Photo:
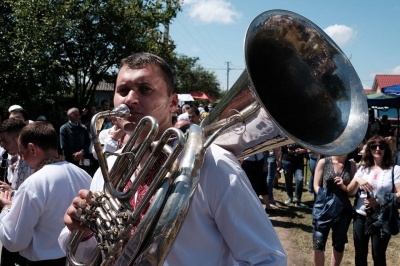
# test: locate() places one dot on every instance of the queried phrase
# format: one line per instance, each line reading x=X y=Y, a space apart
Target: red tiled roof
x=382 y=81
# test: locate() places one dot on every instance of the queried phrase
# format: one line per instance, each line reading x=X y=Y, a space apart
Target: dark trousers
x=379 y=243
x=254 y=171
x=9 y=258
x=56 y=262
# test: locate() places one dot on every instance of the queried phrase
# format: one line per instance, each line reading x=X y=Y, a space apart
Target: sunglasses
x=375 y=146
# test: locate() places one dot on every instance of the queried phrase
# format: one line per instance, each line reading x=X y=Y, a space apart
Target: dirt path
x=295 y=258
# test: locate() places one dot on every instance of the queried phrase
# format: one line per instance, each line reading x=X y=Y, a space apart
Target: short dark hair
x=194 y=110
x=368 y=158
x=12 y=126
x=41 y=134
x=140 y=60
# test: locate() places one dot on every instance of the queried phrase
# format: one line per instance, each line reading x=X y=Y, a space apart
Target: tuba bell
x=298 y=86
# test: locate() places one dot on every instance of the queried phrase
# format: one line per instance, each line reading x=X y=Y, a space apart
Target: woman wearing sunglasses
x=373 y=184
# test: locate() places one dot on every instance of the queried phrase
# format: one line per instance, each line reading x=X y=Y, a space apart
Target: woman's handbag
x=327 y=208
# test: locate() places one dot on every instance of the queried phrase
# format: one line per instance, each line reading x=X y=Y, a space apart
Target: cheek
x=160 y=111
x=118 y=100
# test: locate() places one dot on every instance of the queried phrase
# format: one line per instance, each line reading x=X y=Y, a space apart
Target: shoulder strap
x=393 y=187
x=346 y=163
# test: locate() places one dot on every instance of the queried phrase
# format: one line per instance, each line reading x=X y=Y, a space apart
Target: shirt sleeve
x=26 y=207
x=64 y=141
x=396 y=174
x=241 y=218
x=86 y=141
x=86 y=248
x=109 y=144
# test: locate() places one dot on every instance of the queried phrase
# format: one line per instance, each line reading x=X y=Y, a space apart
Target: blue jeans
x=272 y=166
x=313 y=164
x=379 y=243
x=296 y=170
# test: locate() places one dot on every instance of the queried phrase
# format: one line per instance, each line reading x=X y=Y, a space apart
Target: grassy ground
x=294 y=227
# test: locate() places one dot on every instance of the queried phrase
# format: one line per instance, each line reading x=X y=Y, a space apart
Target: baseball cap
x=41 y=118
x=14 y=107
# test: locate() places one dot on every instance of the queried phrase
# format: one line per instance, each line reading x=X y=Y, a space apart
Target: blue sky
x=368 y=32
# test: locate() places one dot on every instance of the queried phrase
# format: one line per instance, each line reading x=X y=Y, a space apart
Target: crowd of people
x=42 y=191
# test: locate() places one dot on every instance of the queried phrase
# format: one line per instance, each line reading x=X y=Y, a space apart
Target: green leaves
x=54 y=53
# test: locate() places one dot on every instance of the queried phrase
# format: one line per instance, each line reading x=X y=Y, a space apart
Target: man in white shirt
x=194 y=115
x=32 y=224
x=111 y=139
x=225 y=223
x=184 y=115
x=16 y=170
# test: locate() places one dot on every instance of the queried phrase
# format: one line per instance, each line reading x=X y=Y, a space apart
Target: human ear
x=31 y=148
x=174 y=103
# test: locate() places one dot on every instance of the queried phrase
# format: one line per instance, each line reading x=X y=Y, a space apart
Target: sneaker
x=274 y=204
x=301 y=205
x=289 y=200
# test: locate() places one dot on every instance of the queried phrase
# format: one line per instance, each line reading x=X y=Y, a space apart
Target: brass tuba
x=298 y=86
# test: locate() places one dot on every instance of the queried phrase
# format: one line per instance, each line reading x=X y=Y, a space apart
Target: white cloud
x=212 y=11
x=341 y=34
x=365 y=87
x=396 y=70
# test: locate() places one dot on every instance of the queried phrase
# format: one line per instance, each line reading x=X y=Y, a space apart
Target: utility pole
x=166 y=25
x=227 y=75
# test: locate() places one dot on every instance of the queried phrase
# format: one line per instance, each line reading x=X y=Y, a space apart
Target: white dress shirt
x=36 y=218
x=225 y=224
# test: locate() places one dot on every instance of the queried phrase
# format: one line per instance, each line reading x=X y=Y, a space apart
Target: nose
x=131 y=98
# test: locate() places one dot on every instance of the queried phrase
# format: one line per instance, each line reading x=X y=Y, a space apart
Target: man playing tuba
x=225 y=221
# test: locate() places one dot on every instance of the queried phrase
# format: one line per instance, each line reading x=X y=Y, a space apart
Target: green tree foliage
x=191 y=77
x=28 y=73
x=52 y=50
x=53 y=53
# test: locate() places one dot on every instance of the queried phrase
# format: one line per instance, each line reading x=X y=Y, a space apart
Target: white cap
x=14 y=107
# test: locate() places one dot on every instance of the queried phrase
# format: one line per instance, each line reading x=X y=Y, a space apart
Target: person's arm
x=86 y=141
x=318 y=174
x=339 y=180
x=358 y=182
x=398 y=191
x=18 y=223
x=241 y=220
x=64 y=141
x=278 y=156
x=87 y=247
x=397 y=181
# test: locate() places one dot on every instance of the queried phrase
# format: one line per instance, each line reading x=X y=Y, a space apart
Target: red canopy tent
x=202 y=96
